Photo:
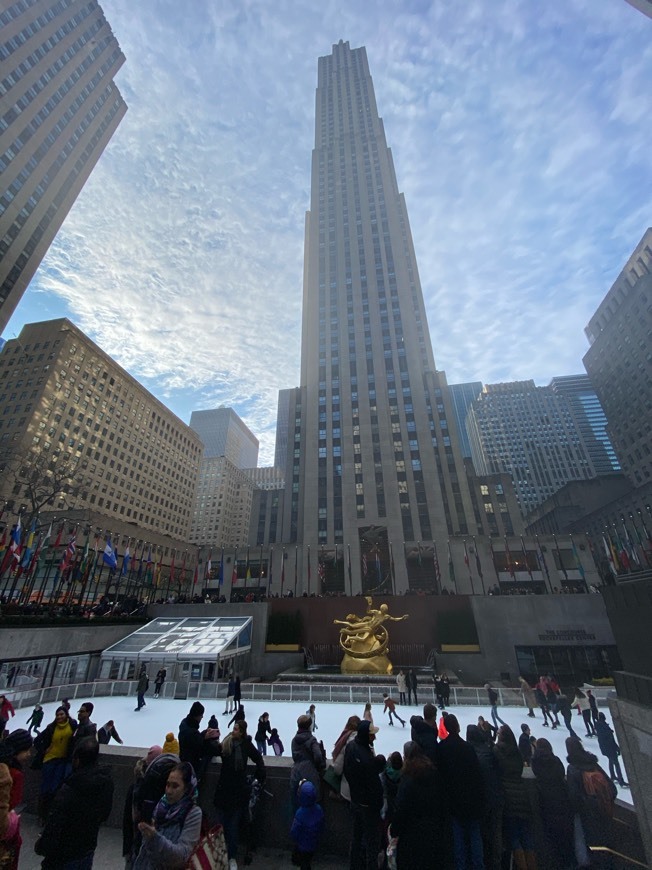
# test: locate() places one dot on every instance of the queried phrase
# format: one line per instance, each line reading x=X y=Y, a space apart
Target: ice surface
x=152 y=723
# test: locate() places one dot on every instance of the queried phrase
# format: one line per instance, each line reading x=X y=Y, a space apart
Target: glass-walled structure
x=189 y=648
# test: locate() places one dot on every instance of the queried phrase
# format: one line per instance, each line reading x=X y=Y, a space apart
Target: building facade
x=59 y=108
x=619 y=362
x=78 y=432
x=222 y=507
x=223 y=433
x=463 y=396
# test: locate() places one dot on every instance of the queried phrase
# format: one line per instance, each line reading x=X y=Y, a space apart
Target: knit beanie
x=171 y=744
x=154 y=752
x=19 y=740
x=196 y=709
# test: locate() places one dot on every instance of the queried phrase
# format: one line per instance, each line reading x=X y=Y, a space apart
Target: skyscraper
x=59 y=108
x=463 y=396
x=378 y=467
x=223 y=433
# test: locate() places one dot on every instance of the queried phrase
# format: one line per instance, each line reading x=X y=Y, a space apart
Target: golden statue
x=365 y=641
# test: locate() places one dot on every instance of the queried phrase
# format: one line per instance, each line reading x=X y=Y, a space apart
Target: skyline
x=524 y=177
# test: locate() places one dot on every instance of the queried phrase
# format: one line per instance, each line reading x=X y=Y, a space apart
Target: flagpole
x=296 y=565
x=478 y=566
x=468 y=565
x=391 y=568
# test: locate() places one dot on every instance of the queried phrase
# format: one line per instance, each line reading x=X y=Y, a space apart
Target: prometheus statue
x=365 y=641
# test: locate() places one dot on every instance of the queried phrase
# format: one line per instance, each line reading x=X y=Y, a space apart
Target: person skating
x=610 y=749
x=582 y=702
x=528 y=696
x=564 y=707
x=229 y=706
x=238 y=716
x=540 y=696
x=264 y=728
x=159 y=680
x=313 y=717
x=108 y=732
x=6 y=712
x=35 y=719
x=141 y=688
x=390 y=706
x=492 y=694
x=275 y=742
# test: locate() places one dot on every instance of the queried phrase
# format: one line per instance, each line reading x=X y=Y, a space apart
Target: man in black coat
x=424 y=731
x=85 y=728
x=195 y=746
x=80 y=806
x=362 y=774
x=463 y=781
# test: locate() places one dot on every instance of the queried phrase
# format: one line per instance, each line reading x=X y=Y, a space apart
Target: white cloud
x=520 y=140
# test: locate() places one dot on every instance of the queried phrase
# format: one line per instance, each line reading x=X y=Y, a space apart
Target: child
x=171 y=744
x=35 y=719
x=275 y=742
x=307 y=825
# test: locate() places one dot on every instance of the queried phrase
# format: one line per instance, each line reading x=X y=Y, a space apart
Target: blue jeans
x=467 y=844
x=262 y=746
x=495 y=717
x=230 y=819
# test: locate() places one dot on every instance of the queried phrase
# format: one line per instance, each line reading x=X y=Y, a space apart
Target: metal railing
x=85 y=691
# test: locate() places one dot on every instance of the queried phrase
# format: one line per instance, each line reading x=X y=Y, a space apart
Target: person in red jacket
x=6 y=711
x=390 y=705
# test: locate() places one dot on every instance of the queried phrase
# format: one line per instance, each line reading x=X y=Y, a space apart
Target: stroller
x=252 y=817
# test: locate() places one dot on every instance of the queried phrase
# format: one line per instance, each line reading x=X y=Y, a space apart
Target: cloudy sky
x=520 y=131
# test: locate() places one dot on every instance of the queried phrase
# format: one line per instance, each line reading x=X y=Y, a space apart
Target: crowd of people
x=439 y=800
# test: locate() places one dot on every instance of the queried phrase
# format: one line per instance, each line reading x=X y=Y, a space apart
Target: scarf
x=166 y=813
x=341 y=741
x=231 y=746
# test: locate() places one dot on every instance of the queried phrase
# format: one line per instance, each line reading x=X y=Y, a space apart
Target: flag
x=478 y=566
x=172 y=567
x=580 y=567
x=148 y=566
x=69 y=553
x=157 y=571
x=451 y=567
x=527 y=563
x=348 y=547
x=435 y=559
x=379 y=573
x=194 y=579
x=209 y=567
x=542 y=562
x=221 y=580
x=631 y=549
x=29 y=544
x=510 y=564
x=125 y=561
x=16 y=533
x=321 y=573
x=609 y=555
x=234 y=575
x=364 y=564
x=109 y=555
x=283 y=570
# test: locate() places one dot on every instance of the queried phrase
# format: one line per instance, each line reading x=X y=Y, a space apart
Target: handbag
x=210 y=853
x=332 y=779
x=392 y=847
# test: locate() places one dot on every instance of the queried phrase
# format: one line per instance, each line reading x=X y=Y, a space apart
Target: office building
x=224 y=434
x=462 y=397
x=222 y=507
x=530 y=433
x=619 y=362
x=59 y=108
x=78 y=432
x=282 y=428
x=644 y=6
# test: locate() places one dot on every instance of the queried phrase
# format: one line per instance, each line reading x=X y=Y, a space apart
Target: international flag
x=172 y=567
x=510 y=564
x=321 y=573
x=209 y=566
x=234 y=575
x=580 y=567
x=364 y=564
x=69 y=553
x=126 y=559
x=527 y=563
x=29 y=545
x=478 y=566
x=159 y=568
x=282 y=571
x=109 y=555
x=195 y=577
x=435 y=559
x=221 y=580
x=451 y=567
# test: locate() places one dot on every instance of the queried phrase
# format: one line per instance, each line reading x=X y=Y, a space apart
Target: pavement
x=108 y=855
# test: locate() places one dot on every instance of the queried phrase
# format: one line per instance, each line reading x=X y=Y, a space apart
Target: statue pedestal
x=377 y=665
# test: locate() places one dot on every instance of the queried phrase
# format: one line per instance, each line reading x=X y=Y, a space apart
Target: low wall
x=276 y=816
x=31 y=642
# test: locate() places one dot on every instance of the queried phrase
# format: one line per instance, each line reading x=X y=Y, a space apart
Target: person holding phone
x=174 y=829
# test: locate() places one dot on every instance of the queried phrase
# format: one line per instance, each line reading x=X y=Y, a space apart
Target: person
x=487 y=729
x=161 y=674
x=592 y=793
x=424 y=731
x=307 y=826
x=148 y=787
x=582 y=702
x=229 y=706
x=232 y=793
x=238 y=716
x=264 y=728
x=554 y=803
x=195 y=746
x=540 y=697
x=517 y=816
x=367 y=714
x=529 y=697
x=610 y=749
x=361 y=772
x=53 y=755
x=553 y=706
x=492 y=694
x=15 y=751
x=390 y=706
x=35 y=719
x=412 y=683
x=80 y=806
x=213 y=723
x=308 y=758
x=348 y=733
x=446 y=689
x=275 y=742
x=420 y=820
x=525 y=744
x=390 y=779
x=401 y=686
x=464 y=787
x=108 y=732
x=313 y=717
x=141 y=687
x=593 y=704
x=85 y=728
x=564 y=707
x=491 y=823
x=237 y=692
x=171 y=746
x=174 y=829
x=6 y=713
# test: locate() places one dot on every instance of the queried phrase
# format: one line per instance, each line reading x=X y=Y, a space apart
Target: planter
x=282 y=647
x=460 y=648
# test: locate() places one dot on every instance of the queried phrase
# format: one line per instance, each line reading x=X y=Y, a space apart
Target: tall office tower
x=380 y=460
x=224 y=434
x=591 y=420
x=462 y=397
x=59 y=108
x=222 y=508
x=619 y=362
x=78 y=432
x=282 y=427
x=531 y=433
x=644 y=6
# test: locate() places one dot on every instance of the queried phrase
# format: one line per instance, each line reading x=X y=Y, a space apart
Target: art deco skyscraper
x=374 y=461
x=59 y=108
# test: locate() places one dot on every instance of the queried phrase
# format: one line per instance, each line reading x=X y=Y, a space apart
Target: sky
x=520 y=136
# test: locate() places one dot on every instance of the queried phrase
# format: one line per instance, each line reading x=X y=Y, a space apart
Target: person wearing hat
x=195 y=746
x=171 y=743
x=362 y=774
x=15 y=750
x=308 y=758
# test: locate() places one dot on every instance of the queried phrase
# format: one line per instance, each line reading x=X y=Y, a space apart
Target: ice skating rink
x=152 y=723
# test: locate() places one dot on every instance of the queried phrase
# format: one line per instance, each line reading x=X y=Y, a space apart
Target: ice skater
x=390 y=707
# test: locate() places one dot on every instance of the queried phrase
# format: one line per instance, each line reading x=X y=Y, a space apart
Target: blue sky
x=520 y=135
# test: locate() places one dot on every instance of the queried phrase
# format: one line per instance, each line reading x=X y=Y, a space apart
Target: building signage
x=563 y=635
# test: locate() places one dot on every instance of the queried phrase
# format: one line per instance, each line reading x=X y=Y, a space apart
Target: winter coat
x=528 y=694
x=193 y=746
x=277 y=744
x=105 y=733
x=172 y=845
x=525 y=747
x=338 y=767
x=606 y=739
x=554 y=805
x=44 y=739
x=232 y=788
x=309 y=762
x=230 y=689
x=6 y=710
x=361 y=772
x=35 y=719
x=81 y=732
x=390 y=779
x=264 y=728
x=462 y=778
x=237 y=691
x=401 y=683
x=582 y=703
x=494 y=794
x=492 y=694
x=596 y=825
x=517 y=802
x=308 y=821
x=426 y=736
x=422 y=824
x=143 y=683
x=149 y=785
x=80 y=806
x=5 y=792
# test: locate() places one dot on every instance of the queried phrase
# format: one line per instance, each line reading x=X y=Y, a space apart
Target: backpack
x=598 y=791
